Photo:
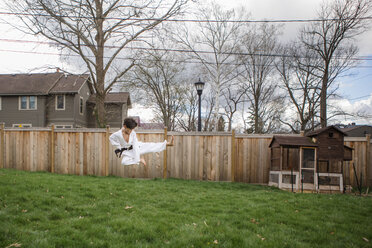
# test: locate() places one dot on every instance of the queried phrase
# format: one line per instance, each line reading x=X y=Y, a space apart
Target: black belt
x=127 y=148
x=120 y=151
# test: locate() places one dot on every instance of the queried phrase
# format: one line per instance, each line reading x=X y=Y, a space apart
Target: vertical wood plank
x=2 y=145
x=233 y=148
x=52 y=147
x=201 y=158
x=32 y=151
x=245 y=162
x=368 y=164
x=107 y=142
x=189 y=156
x=165 y=155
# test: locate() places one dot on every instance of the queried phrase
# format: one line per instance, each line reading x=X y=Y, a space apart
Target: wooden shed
x=313 y=162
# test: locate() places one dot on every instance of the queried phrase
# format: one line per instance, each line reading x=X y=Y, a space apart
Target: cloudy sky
x=356 y=90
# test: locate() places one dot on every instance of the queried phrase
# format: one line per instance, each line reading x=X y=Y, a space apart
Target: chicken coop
x=313 y=162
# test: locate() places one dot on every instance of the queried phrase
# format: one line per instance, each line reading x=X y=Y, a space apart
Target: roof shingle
x=113 y=97
x=40 y=83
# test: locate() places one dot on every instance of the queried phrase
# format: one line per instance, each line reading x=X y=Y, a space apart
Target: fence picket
x=198 y=156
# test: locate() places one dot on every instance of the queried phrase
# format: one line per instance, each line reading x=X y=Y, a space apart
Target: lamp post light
x=199 y=88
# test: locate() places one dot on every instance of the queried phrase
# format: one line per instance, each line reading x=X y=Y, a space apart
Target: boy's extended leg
x=148 y=147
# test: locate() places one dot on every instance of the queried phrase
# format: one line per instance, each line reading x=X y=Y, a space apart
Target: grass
x=50 y=210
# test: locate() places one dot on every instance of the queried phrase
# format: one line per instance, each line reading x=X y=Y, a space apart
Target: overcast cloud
x=357 y=90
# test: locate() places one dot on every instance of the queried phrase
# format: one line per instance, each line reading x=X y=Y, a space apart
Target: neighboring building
x=116 y=105
x=147 y=126
x=354 y=130
x=65 y=100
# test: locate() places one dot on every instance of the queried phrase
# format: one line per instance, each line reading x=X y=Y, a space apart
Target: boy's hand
x=118 y=151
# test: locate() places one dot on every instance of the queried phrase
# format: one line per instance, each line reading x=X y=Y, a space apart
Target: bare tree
x=187 y=121
x=233 y=97
x=98 y=31
x=220 y=38
x=341 y=21
x=258 y=45
x=158 y=78
x=297 y=70
x=209 y=103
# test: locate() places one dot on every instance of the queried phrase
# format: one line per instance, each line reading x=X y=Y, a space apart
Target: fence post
x=233 y=148
x=107 y=142
x=52 y=147
x=2 y=144
x=368 y=180
x=165 y=155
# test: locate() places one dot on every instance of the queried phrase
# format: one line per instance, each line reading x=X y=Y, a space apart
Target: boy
x=126 y=143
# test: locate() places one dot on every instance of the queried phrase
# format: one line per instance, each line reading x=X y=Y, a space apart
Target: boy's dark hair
x=130 y=123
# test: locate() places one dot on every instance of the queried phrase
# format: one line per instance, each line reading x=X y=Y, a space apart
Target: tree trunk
x=323 y=99
x=100 y=89
x=100 y=110
x=256 y=117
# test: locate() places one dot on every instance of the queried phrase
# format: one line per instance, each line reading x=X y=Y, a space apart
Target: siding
x=65 y=116
x=114 y=115
x=84 y=92
x=10 y=114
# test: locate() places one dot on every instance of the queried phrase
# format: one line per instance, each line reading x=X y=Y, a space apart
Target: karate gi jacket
x=133 y=156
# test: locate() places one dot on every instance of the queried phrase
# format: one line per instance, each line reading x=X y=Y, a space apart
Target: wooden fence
x=196 y=156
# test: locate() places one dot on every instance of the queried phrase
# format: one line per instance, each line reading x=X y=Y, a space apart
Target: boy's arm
x=115 y=140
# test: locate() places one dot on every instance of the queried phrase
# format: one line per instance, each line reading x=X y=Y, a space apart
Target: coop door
x=308 y=166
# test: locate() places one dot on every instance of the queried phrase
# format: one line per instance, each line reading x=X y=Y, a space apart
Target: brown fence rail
x=196 y=156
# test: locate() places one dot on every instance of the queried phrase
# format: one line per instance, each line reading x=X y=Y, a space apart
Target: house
x=60 y=99
x=116 y=105
x=354 y=130
x=313 y=162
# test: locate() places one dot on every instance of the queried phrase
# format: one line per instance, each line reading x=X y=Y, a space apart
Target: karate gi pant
x=129 y=157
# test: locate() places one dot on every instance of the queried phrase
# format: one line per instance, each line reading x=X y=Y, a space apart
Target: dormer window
x=60 y=102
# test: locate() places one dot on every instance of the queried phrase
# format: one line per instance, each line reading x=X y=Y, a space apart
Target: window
x=22 y=125
x=60 y=102
x=330 y=135
x=27 y=102
x=63 y=126
x=81 y=106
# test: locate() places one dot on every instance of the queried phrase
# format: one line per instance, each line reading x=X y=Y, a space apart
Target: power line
x=192 y=20
x=357 y=98
x=359 y=58
x=141 y=59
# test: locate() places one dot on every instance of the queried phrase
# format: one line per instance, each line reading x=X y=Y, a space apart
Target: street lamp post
x=199 y=88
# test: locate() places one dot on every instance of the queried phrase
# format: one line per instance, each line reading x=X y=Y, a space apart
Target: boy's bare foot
x=171 y=143
x=143 y=161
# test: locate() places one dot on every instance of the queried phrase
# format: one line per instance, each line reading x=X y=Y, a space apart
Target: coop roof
x=324 y=129
x=291 y=141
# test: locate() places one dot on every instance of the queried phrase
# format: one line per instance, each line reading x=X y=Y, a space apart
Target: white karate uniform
x=133 y=156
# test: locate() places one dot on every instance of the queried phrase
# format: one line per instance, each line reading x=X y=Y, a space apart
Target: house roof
x=353 y=127
x=291 y=141
x=69 y=84
x=113 y=97
x=40 y=83
x=324 y=129
x=151 y=126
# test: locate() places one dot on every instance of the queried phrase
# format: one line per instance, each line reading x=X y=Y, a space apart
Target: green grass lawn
x=50 y=210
